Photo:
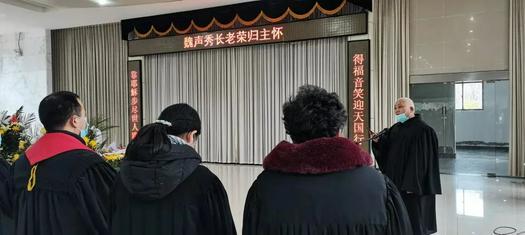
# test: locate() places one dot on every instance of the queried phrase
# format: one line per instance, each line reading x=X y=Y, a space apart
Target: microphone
x=384 y=131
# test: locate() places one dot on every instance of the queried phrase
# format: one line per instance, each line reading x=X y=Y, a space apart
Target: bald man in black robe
x=408 y=154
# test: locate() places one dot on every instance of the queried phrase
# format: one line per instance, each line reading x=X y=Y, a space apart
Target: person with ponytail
x=163 y=188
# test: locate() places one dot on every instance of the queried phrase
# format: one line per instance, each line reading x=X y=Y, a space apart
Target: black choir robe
x=323 y=186
x=6 y=223
x=61 y=188
x=408 y=154
x=169 y=193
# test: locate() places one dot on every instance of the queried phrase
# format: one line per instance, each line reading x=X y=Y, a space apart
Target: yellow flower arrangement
x=92 y=144
x=3 y=130
x=96 y=141
x=15 y=157
x=114 y=159
x=15 y=133
x=113 y=156
x=16 y=127
x=22 y=145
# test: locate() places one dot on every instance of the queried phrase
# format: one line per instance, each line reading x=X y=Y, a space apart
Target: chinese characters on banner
x=358 y=98
x=359 y=92
x=135 y=111
x=232 y=38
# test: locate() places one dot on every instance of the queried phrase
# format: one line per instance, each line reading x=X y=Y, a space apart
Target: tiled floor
x=469 y=204
x=476 y=162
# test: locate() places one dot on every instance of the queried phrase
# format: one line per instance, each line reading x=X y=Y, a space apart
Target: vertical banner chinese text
x=135 y=97
x=359 y=92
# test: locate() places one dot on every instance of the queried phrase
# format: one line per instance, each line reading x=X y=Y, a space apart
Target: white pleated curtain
x=92 y=62
x=239 y=92
x=390 y=59
x=517 y=87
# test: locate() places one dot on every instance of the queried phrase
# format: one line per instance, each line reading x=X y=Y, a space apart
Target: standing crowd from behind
x=319 y=183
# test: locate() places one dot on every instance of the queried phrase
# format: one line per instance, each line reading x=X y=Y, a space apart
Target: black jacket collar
x=69 y=133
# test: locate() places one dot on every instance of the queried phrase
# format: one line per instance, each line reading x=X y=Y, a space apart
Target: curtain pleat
x=239 y=92
x=390 y=59
x=92 y=62
x=517 y=87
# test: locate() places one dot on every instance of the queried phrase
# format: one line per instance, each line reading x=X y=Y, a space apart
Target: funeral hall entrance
x=470 y=114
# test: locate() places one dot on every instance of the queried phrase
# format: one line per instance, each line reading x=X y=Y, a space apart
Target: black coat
x=408 y=154
x=71 y=190
x=323 y=186
x=6 y=223
x=169 y=194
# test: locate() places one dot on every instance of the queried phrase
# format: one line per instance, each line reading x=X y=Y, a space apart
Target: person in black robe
x=163 y=189
x=408 y=154
x=60 y=186
x=321 y=183
x=6 y=223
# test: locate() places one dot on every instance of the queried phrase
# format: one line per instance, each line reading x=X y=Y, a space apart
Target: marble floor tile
x=469 y=204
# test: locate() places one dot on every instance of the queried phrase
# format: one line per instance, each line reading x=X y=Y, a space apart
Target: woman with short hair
x=321 y=183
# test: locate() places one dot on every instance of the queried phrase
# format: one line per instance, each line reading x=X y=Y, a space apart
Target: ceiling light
x=472 y=18
x=471 y=31
x=102 y=2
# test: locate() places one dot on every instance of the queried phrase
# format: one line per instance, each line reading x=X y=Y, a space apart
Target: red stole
x=53 y=144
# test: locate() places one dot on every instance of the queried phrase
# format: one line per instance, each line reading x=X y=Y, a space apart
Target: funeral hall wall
x=23 y=70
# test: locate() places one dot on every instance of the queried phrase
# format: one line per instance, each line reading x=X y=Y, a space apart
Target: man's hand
x=373 y=136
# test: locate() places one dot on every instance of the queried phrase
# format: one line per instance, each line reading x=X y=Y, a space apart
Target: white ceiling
x=18 y=15
x=43 y=5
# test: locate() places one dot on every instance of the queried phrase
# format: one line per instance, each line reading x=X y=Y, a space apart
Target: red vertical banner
x=135 y=97
x=359 y=92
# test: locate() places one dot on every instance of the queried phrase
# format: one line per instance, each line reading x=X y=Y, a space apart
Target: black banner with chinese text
x=135 y=97
x=247 y=14
x=359 y=92
x=305 y=30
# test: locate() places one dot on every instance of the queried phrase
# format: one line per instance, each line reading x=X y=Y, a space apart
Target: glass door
x=436 y=104
x=471 y=119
